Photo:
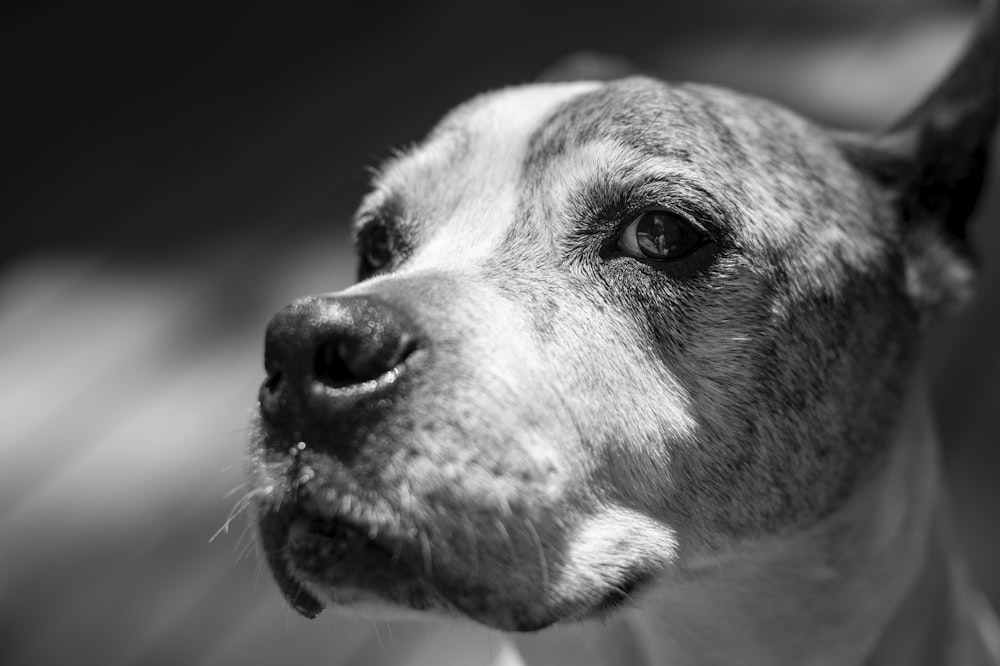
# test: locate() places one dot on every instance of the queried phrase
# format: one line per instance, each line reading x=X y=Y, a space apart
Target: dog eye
x=659 y=235
x=377 y=247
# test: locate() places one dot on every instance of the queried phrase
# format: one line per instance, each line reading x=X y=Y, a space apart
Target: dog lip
x=334 y=551
x=330 y=551
x=273 y=529
x=321 y=540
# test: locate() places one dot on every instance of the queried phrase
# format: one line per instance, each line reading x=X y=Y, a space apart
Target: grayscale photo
x=500 y=334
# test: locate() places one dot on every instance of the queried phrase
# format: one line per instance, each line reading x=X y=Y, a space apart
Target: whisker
x=229 y=520
x=541 y=554
x=426 y=551
x=235 y=489
x=506 y=537
x=470 y=530
x=241 y=463
x=238 y=508
x=392 y=641
x=379 y=637
x=244 y=552
x=407 y=497
x=508 y=512
x=258 y=553
x=245 y=543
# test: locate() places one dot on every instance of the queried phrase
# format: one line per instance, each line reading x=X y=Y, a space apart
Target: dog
x=646 y=354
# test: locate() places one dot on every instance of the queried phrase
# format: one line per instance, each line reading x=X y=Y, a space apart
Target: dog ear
x=934 y=161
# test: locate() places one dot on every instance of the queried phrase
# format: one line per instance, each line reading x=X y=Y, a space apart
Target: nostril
x=330 y=366
x=273 y=381
x=272 y=396
x=345 y=361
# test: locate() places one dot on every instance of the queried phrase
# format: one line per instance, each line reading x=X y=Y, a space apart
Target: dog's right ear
x=933 y=163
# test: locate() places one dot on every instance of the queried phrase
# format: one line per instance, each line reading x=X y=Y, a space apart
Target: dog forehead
x=462 y=180
x=783 y=187
x=482 y=143
x=469 y=187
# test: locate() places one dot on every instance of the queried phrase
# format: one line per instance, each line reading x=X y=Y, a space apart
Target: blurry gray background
x=174 y=172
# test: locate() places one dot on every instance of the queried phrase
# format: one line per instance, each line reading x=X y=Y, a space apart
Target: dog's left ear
x=933 y=162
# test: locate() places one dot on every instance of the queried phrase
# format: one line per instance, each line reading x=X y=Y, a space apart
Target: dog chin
x=410 y=599
x=355 y=602
x=368 y=583
x=368 y=605
x=414 y=599
x=321 y=560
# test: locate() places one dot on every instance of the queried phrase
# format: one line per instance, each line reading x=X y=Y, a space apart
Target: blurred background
x=174 y=172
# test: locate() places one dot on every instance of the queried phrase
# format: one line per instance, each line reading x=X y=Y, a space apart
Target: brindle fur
x=576 y=422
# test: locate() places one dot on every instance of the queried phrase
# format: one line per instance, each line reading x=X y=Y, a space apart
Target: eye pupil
x=662 y=235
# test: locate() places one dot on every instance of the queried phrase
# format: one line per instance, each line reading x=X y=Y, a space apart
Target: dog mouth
x=317 y=559
x=273 y=529
x=320 y=560
x=331 y=540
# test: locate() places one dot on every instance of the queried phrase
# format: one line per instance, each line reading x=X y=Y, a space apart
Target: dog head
x=603 y=333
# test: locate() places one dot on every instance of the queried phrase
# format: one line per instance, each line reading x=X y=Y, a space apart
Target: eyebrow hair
x=379 y=204
x=606 y=197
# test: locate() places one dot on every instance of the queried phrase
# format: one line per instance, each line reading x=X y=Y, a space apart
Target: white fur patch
x=612 y=539
x=483 y=147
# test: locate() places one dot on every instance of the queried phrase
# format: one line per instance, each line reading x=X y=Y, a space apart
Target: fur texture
x=572 y=423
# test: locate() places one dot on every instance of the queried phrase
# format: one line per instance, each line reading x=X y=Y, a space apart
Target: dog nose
x=322 y=348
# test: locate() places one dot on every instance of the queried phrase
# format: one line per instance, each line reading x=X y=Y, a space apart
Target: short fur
x=568 y=425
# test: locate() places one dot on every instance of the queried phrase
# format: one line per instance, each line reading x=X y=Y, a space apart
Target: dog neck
x=874 y=584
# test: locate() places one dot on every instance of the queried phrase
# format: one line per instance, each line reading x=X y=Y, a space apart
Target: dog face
x=605 y=333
